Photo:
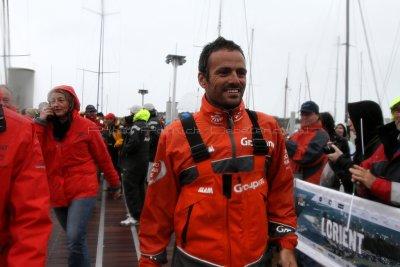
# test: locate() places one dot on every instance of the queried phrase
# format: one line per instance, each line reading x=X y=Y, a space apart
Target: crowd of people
x=322 y=153
x=220 y=179
x=60 y=152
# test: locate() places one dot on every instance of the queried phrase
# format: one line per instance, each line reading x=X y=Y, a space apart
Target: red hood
x=71 y=91
x=219 y=116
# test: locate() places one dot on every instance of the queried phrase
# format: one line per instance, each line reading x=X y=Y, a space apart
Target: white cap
x=149 y=106
x=135 y=108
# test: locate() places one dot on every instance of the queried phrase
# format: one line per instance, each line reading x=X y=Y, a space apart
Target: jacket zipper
x=186 y=227
x=230 y=132
x=233 y=143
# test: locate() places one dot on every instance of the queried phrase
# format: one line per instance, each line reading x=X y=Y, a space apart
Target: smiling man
x=226 y=200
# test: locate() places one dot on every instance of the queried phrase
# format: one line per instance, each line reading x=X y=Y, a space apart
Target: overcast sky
x=62 y=36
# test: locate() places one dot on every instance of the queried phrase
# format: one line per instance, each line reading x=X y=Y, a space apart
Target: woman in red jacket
x=72 y=149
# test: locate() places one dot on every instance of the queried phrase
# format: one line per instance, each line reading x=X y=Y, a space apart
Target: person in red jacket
x=305 y=147
x=6 y=97
x=381 y=175
x=221 y=180
x=25 y=225
x=73 y=148
x=365 y=120
x=92 y=115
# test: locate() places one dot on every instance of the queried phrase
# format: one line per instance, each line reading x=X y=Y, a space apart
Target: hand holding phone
x=46 y=113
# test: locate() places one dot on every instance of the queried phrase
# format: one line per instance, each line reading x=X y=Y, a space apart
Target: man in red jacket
x=25 y=225
x=305 y=147
x=6 y=98
x=221 y=179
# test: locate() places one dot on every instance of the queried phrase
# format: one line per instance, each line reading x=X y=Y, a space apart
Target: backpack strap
x=197 y=147
x=259 y=144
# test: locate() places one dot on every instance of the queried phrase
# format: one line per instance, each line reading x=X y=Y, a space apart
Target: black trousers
x=133 y=181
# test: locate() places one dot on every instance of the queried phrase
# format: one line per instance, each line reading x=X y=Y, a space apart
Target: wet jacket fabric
x=71 y=163
x=25 y=225
x=187 y=198
x=305 y=149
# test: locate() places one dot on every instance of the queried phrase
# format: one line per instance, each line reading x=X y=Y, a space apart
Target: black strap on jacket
x=259 y=144
x=197 y=146
x=2 y=120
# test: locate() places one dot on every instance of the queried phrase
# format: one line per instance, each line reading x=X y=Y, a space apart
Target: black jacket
x=370 y=114
x=155 y=128
x=135 y=149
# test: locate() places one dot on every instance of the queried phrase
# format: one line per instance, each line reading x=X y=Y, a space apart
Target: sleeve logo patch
x=157 y=172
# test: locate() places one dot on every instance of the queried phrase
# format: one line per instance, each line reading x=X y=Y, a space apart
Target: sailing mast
x=101 y=61
x=250 y=92
x=347 y=44
x=220 y=18
x=6 y=39
x=100 y=70
x=307 y=80
x=286 y=89
x=337 y=78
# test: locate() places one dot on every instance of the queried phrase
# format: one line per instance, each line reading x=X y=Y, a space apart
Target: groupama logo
x=239 y=188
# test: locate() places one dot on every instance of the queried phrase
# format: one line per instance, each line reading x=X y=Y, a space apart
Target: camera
x=328 y=149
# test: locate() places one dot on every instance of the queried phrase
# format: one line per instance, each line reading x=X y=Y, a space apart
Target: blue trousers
x=74 y=220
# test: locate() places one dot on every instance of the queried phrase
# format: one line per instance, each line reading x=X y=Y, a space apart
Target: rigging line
x=319 y=44
x=220 y=18
x=393 y=54
x=208 y=18
x=100 y=55
x=369 y=52
x=119 y=64
x=251 y=67
x=336 y=77
x=8 y=34
x=4 y=40
x=307 y=80
x=102 y=67
x=328 y=75
x=373 y=48
x=298 y=102
x=246 y=27
x=249 y=55
x=200 y=24
x=353 y=26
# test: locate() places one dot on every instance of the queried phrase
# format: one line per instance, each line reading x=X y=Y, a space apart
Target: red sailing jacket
x=187 y=198
x=386 y=189
x=72 y=162
x=25 y=225
x=305 y=151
